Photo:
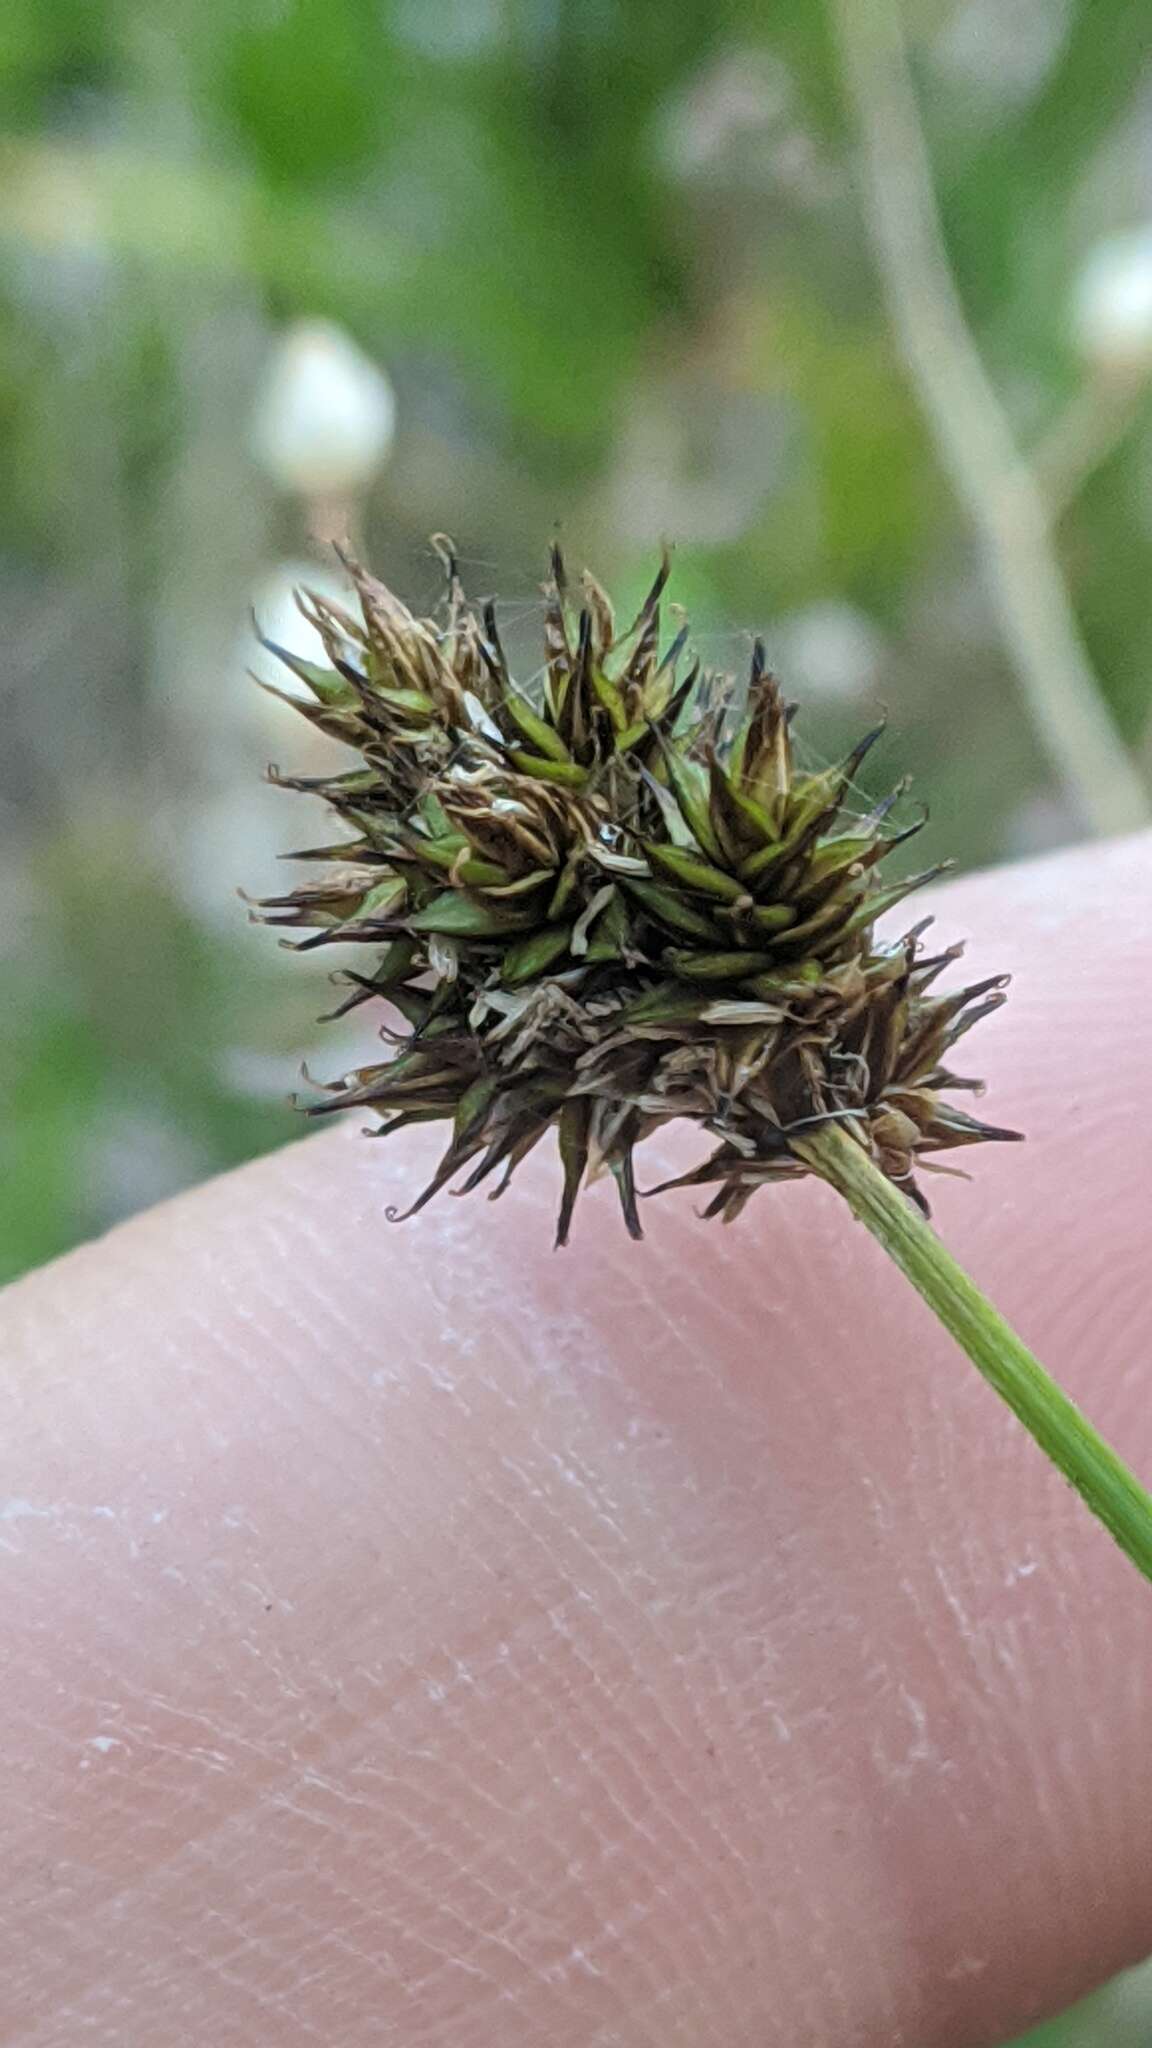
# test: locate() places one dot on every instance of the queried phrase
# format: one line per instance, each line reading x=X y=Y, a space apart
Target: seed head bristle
x=608 y=904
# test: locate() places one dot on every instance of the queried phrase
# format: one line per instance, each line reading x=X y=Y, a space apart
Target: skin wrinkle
x=644 y=1609
x=575 y=1869
x=736 y=1915
x=635 y=1821
x=554 y=1936
x=666 y=1500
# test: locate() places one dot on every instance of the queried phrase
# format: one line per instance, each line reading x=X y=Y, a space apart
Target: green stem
x=1112 y=1492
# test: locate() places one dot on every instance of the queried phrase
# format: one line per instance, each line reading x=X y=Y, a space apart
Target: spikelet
x=611 y=903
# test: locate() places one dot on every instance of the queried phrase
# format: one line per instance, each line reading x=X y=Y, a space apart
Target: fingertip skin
x=416 y=1635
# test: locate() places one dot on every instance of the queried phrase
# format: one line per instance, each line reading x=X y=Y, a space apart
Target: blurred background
x=850 y=300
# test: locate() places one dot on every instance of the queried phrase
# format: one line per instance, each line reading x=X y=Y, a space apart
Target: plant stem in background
x=1102 y=1479
x=972 y=433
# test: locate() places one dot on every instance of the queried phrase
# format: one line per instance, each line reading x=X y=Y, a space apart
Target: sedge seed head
x=612 y=902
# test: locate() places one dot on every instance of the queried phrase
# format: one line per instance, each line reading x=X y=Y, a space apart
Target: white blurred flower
x=453 y=30
x=998 y=56
x=1112 y=303
x=744 y=95
x=1038 y=825
x=131 y=1155
x=280 y=619
x=740 y=118
x=23 y=901
x=325 y=420
x=829 y=650
x=225 y=826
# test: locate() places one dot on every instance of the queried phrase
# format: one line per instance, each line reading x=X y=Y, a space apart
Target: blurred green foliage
x=611 y=254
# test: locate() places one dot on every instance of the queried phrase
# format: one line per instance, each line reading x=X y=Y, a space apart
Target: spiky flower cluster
x=611 y=903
